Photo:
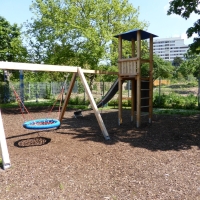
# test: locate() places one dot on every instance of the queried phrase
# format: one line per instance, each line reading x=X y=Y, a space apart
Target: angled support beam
x=67 y=97
x=93 y=104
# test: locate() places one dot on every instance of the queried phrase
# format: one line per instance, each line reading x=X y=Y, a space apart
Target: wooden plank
x=127 y=59
x=67 y=97
x=36 y=67
x=44 y=67
x=89 y=71
x=93 y=104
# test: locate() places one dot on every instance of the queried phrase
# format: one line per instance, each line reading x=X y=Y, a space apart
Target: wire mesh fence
x=50 y=90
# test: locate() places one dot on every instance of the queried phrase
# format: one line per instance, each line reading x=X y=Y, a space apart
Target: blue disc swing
x=39 y=124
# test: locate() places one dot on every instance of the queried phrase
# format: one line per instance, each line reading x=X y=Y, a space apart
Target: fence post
x=21 y=77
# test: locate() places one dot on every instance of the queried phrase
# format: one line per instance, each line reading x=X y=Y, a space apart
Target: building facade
x=169 y=48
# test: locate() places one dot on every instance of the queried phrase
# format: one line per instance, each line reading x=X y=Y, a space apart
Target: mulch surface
x=156 y=161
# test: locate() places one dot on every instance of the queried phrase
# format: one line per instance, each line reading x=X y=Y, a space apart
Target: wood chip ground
x=156 y=161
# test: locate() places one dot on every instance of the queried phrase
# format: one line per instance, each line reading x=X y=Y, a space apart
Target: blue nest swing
x=41 y=124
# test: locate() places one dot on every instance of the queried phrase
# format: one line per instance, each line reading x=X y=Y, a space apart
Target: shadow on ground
x=165 y=133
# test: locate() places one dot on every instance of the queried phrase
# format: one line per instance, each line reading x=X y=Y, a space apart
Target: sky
x=152 y=11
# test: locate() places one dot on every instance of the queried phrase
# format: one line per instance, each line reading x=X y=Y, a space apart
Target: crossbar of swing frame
x=45 y=67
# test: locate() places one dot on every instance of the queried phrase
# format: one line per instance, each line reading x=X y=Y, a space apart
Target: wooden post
x=120 y=82
x=120 y=101
x=138 y=79
x=133 y=48
x=132 y=99
x=67 y=97
x=150 y=78
x=93 y=104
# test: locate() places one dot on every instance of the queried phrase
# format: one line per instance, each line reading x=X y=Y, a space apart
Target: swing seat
x=41 y=124
x=78 y=113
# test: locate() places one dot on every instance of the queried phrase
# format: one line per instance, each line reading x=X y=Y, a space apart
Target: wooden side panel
x=128 y=67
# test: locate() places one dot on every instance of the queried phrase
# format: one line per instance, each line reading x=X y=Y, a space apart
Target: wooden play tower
x=130 y=69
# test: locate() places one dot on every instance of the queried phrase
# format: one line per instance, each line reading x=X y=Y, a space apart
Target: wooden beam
x=127 y=59
x=133 y=48
x=67 y=97
x=138 y=79
x=44 y=67
x=89 y=71
x=36 y=67
x=151 y=79
x=132 y=98
x=120 y=101
x=93 y=104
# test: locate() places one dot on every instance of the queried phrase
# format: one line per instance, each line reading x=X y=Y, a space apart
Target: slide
x=109 y=95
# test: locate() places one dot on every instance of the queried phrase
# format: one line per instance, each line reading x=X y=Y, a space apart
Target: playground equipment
x=130 y=69
x=41 y=124
x=76 y=71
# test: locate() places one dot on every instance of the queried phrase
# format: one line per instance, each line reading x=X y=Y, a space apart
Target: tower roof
x=132 y=34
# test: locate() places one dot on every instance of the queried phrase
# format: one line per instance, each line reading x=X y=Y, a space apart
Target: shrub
x=175 y=101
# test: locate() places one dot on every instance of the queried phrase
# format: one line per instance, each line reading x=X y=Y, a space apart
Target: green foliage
x=78 y=101
x=185 y=9
x=161 y=68
x=175 y=101
x=177 y=61
x=79 y=32
x=191 y=66
x=11 y=48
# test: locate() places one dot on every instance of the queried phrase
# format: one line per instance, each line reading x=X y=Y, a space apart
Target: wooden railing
x=128 y=67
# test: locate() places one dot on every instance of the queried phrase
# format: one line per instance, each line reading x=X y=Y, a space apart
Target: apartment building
x=169 y=48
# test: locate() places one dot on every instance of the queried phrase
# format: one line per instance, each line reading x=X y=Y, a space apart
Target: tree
x=84 y=27
x=11 y=48
x=161 y=68
x=190 y=66
x=185 y=9
x=177 y=61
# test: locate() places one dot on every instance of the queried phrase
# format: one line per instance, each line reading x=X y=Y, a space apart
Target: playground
x=158 y=161
x=99 y=155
